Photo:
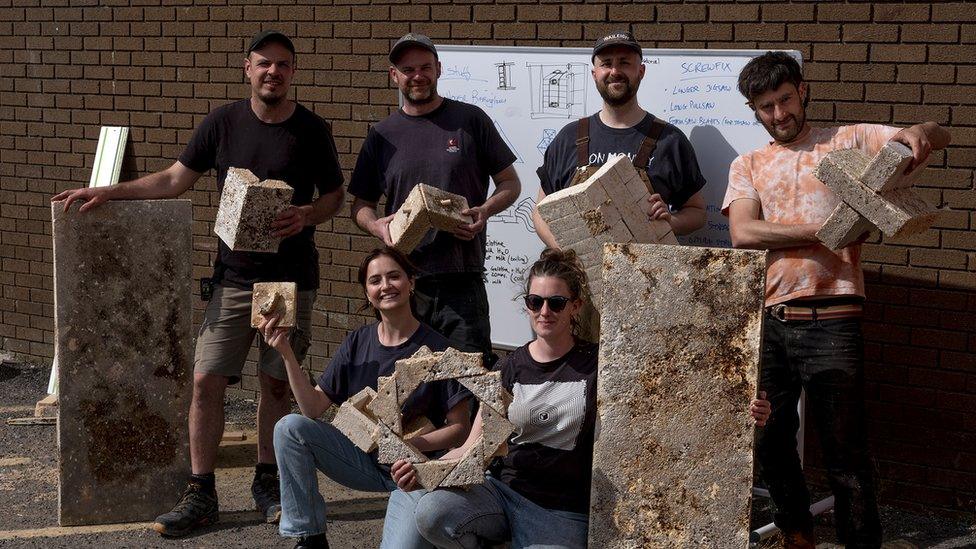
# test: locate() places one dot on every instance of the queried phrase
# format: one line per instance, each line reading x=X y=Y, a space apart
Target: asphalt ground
x=29 y=494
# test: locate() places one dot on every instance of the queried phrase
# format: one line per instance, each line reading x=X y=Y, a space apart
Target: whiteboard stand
x=816 y=508
x=105 y=172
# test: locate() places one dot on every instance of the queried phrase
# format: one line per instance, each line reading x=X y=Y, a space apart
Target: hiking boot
x=799 y=539
x=317 y=541
x=267 y=495
x=196 y=508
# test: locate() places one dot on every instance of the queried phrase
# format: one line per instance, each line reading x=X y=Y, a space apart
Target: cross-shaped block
x=426 y=207
x=875 y=192
x=607 y=207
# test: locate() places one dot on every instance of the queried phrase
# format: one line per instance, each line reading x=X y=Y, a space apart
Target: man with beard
x=275 y=138
x=814 y=295
x=662 y=155
x=452 y=146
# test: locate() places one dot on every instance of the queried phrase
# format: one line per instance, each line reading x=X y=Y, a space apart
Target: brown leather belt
x=796 y=312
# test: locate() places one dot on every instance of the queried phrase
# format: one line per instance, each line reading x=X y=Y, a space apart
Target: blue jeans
x=303 y=445
x=825 y=358
x=493 y=512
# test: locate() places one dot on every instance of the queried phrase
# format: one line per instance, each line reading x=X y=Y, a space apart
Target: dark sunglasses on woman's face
x=556 y=302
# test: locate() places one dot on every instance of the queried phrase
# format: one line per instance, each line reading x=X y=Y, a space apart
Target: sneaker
x=196 y=508
x=267 y=495
x=317 y=541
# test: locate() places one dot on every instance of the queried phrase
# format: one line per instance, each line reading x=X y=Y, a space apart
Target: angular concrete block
x=489 y=390
x=678 y=324
x=876 y=190
x=607 y=207
x=122 y=324
x=432 y=473
x=470 y=469
x=426 y=207
x=247 y=209
x=495 y=430
x=270 y=298
x=456 y=364
x=357 y=426
x=392 y=448
x=385 y=407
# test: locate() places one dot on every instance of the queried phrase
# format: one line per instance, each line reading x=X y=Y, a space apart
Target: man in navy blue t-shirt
x=275 y=138
x=452 y=146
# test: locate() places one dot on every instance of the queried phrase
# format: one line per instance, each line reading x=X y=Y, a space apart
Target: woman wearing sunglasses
x=540 y=493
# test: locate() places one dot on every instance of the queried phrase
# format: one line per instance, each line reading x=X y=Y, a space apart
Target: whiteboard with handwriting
x=531 y=93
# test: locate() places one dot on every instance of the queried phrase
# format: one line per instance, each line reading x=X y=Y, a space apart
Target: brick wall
x=158 y=66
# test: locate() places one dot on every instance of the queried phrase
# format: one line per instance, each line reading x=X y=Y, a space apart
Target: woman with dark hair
x=303 y=443
x=540 y=495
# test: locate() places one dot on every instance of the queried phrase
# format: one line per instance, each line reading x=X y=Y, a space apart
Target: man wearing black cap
x=662 y=154
x=450 y=145
x=275 y=138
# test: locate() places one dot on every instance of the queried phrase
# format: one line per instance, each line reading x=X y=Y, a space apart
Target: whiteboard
x=531 y=93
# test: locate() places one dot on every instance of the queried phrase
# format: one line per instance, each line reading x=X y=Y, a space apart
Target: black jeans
x=825 y=358
x=455 y=305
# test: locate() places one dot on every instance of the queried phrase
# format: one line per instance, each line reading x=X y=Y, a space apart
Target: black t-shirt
x=457 y=148
x=299 y=151
x=673 y=167
x=361 y=359
x=550 y=455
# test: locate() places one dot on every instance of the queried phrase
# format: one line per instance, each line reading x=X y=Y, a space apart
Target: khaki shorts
x=226 y=336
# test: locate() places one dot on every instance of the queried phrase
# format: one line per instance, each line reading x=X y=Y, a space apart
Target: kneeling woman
x=303 y=444
x=541 y=494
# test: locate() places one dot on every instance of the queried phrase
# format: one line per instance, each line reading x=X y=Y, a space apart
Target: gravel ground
x=28 y=494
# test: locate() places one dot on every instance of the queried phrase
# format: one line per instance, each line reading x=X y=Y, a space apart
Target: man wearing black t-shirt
x=450 y=145
x=275 y=138
x=662 y=154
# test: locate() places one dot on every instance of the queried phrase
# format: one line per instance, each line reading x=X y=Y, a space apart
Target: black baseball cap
x=263 y=37
x=616 y=38
x=411 y=40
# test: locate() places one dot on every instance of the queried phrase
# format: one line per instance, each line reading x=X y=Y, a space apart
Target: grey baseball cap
x=263 y=37
x=616 y=38
x=411 y=40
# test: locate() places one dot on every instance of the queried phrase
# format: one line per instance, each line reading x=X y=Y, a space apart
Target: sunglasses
x=556 y=302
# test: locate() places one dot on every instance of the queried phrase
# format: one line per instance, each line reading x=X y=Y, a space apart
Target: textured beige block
x=874 y=192
x=433 y=473
x=392 y=448
x=495 y=429
x=426 y=207
x=122 y=334
x=274 y=298
x=247 y=209
x=489 y=390
x=357 y=426
x=456 y=364
x=385 y=407
x=677 y=323
x=470 y=469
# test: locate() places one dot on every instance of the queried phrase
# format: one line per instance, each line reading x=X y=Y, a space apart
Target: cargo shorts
x=226 y=336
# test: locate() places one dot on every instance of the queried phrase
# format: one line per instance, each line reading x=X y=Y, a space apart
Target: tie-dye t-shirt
x=780 y=178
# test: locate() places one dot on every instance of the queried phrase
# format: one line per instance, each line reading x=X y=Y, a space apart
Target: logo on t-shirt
x=452 y=145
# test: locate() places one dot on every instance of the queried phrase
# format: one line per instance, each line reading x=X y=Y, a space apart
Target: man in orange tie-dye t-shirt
x=812 y=326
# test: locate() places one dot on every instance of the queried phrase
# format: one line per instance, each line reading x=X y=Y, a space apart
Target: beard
x=273 y=98
x=414 y=97
x=617 y=98
x=788 y=134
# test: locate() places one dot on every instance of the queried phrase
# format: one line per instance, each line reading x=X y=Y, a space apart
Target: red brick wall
x=159 y=66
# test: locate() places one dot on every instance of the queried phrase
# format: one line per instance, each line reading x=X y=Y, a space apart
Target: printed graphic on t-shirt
x=550 y=413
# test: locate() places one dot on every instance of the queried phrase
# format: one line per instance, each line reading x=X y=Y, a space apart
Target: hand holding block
x=607 y=207
x=247 y=209
x=270 y=298
x=426 y=207
x=875 y=192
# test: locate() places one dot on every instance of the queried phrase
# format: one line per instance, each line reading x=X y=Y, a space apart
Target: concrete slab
x=679 y=353
x=122 y=335
x=426 y=207
x=274 y=298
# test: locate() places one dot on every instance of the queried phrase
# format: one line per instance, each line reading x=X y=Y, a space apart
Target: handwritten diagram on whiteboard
x=531 y=93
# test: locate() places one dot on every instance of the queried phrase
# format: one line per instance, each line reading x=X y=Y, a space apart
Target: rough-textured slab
x=679 y=352
x=489 y=390
x=426 y=207
x=607 y=207
x=274 y=298
x=433 y=473
x=123 y=340
x=357 y=426
x=875 y=192
x=247 y=209
x=385 y=407
x=470 y=469
x=392 y=448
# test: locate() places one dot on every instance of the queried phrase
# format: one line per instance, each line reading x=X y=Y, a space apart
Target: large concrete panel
x=679 y=354
x=122 y=333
